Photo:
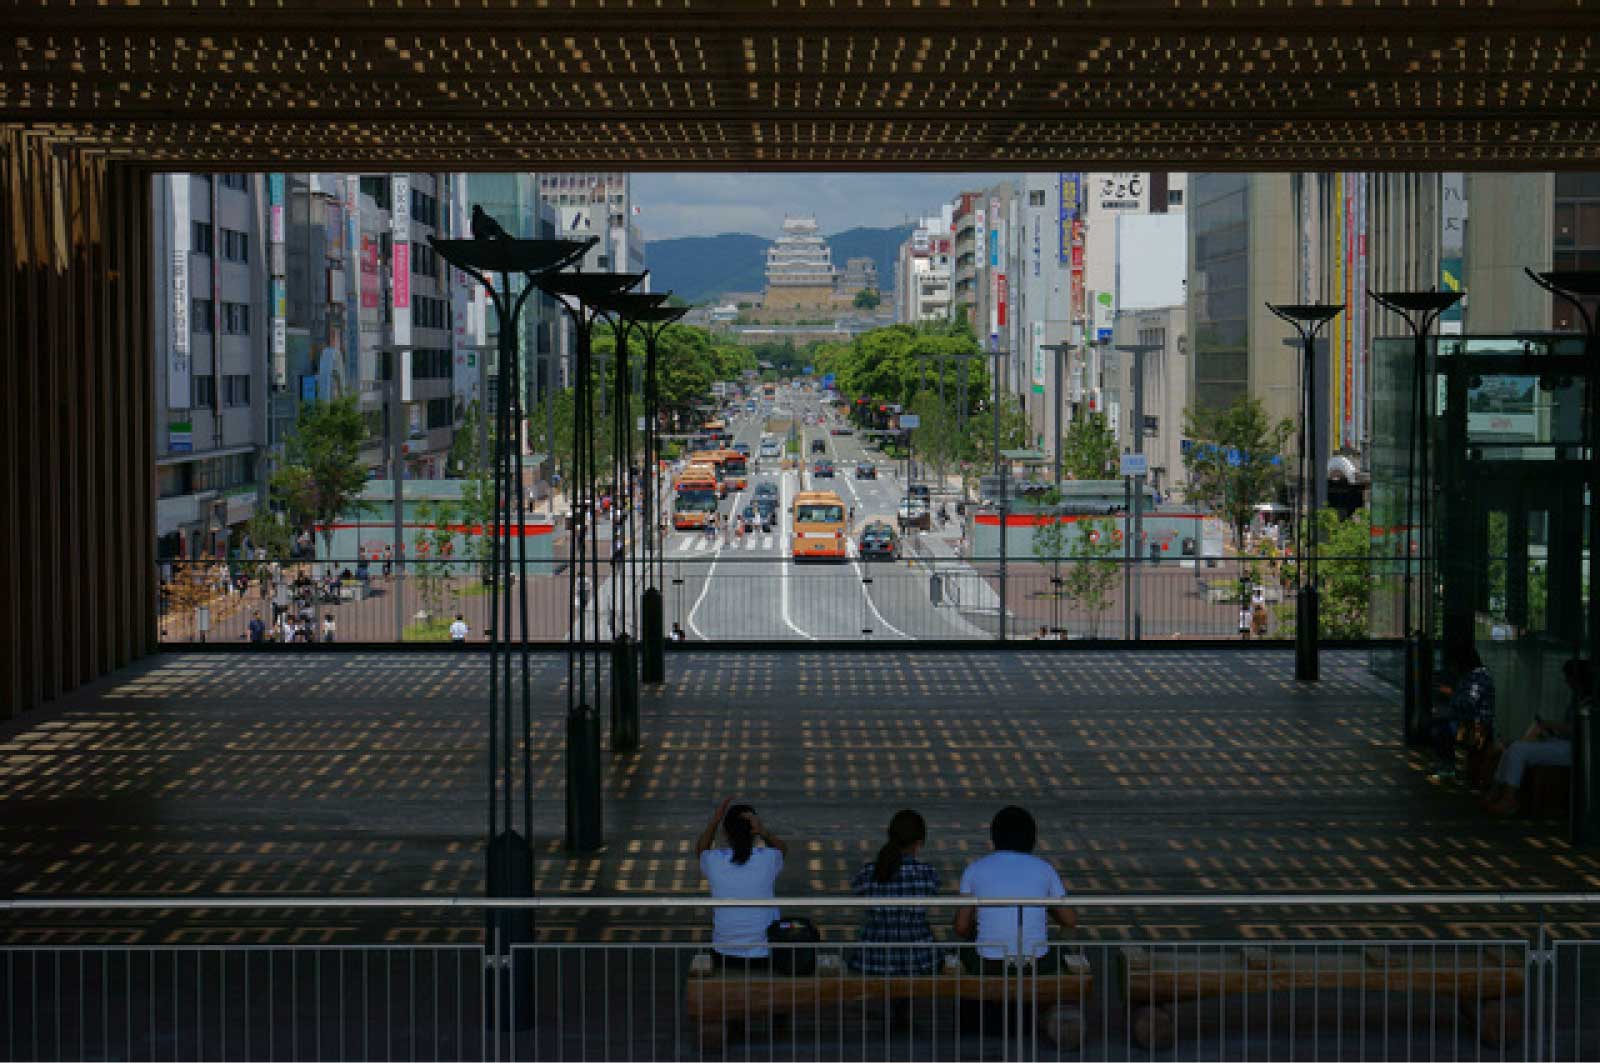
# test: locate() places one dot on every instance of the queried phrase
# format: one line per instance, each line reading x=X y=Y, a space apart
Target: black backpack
x=793 y=932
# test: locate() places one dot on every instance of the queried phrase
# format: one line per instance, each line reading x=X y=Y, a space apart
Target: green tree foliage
x=892 y=364
x=1094 y=569
x=1344 y=574
x=867 y=299
x=1050 y=540
x=322 y=475
x=1089 y=449
x=435 y=553
x=1230 y=463
x=937 y=439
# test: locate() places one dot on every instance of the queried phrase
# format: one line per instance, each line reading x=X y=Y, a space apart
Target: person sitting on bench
x=1545 y=742
x=1471 y=694
x=1011 y=871
x=741 y=871
x=896 y=873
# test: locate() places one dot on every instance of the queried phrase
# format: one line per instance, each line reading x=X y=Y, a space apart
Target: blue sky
x=705 y=204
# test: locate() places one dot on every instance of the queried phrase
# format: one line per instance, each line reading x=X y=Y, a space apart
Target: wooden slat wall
x=77 y=477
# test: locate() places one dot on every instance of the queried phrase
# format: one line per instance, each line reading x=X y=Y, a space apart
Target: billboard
x=1117 y=192
x=1038 y=376
x=1067 y=187
x=1452 y=245
x=400 y=256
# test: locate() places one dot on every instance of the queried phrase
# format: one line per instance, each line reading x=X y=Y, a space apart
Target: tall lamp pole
x=394 y=429
x=1307 y=319
x=1420 y=311
x=1574 y=287
x=510 y=853
x=1058 y=420
x=1136 y=532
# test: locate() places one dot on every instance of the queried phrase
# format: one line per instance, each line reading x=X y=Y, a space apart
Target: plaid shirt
x=892 y=925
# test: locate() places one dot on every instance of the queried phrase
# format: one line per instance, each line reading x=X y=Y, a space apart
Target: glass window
x=234 y=181
x=200 y=315
x=236 y=389
x=1566 y=224
x=204 y=391
x=1588 y=224
x=200 y=237
x=439 y=413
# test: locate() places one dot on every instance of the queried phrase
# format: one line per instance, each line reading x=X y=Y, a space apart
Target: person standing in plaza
x=257 y=629
x=458 y=631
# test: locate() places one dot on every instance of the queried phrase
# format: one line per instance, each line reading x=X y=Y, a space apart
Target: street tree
x=322 y=475
x=1089 y=449
x=434 y=559
x=1344 y=576
x=867 y=299
x=937 y=438
x=1094 y=569
x=1234 y=461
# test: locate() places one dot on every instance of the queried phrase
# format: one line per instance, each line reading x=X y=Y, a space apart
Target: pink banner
x=369 y=273
x=402 y=274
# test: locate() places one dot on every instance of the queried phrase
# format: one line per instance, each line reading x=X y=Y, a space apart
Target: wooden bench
x=1154 y=979
x=714 y=998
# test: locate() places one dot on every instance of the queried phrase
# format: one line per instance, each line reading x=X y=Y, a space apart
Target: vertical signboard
x=1067 y=186
x=352 y=289
x=278 y=293
x=1038 y=376
x=1361 y=310
x=369 y=273
x=994 y=232
x=1339 y=292
x=400 y=256
x=464 y=378
x=980 y=236
x=180 y=385
x=1452 y=245
x=1000 y=295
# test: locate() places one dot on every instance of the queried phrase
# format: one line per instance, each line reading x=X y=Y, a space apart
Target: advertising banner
x=1452 y=245
x=464 y=377
x=180 y=385
x=994 y=231
x=1068 y=185
x=980 y=236
x=1036 y=331
x=369 y=273
x=400 y=255
x=352 y=286
x=1115 y=192
x=1000 y=294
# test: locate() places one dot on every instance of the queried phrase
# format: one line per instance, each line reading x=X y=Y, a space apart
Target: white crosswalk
x=700 y=544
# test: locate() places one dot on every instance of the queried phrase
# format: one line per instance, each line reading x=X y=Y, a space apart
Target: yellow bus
x=819 y=532
x=694 y=497
x=730 y=466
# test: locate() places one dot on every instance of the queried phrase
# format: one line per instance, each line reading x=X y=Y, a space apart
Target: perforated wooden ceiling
x=818 y=85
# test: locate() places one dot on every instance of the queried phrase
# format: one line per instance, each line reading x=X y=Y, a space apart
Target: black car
x=823 y=467
x=865 y=470
x=755 y=519
x=879 y=541
x=767 y=507
x=766 y=489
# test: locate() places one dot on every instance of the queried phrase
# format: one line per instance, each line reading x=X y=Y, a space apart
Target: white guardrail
x=1474 y=976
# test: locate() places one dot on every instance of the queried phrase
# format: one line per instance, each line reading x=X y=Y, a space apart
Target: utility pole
x=1136 y=531
x=396 y=426
x=1058 y=420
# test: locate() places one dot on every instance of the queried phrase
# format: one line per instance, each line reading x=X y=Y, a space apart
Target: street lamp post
x=1136 y=532
x=581 y=296
x=395 y=430
x=1420 y=311
x=1307 y=320
x=510 y=853
x=1574 y=287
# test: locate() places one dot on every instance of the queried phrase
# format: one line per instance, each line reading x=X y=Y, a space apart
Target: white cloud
x=688 y=204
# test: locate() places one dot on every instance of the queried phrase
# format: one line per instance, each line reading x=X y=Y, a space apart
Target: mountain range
x=700 y=268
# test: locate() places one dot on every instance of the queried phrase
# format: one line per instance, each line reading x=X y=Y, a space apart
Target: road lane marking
x=786 y=565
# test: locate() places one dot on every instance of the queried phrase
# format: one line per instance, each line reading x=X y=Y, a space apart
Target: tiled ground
x=363 y=775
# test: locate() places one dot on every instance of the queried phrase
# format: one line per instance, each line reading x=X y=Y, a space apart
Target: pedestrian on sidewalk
x=458 y=631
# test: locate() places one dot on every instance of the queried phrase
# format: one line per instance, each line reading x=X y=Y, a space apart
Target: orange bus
x=694 y=497
x=818 y=527
x=730 y=466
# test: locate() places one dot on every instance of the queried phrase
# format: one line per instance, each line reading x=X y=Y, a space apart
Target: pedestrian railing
x=1474 y=977
x=734 y=593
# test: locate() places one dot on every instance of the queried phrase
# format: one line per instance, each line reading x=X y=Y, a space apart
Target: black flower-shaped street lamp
x=1307 y=319
x=581 y=295
x=510 y=857
x=1420 y=311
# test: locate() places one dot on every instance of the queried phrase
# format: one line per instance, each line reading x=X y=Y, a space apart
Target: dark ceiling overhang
x=819 y=85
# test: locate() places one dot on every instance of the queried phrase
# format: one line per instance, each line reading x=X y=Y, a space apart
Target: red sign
x=402 y=273
x=369 y=273
x=1000 y=296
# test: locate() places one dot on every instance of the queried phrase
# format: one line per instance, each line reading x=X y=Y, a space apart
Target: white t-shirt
x=1011 y=874
x=741 y=931
x=458 y=630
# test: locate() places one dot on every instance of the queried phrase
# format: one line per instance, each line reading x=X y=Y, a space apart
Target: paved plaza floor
x=363 y=774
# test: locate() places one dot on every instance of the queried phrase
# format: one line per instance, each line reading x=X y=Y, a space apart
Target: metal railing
x=738 y=593
x=1493 y=976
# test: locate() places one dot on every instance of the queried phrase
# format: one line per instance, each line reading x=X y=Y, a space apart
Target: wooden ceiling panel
x=813 y=84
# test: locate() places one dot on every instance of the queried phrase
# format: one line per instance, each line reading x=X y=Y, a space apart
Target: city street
x=729 y=587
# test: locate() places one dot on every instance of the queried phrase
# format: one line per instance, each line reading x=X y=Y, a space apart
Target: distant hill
x=698 y=268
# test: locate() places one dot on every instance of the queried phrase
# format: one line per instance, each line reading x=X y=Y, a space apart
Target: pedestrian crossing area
x=702 y=544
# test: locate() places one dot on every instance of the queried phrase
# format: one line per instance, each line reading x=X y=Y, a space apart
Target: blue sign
x=1102 y=335
x=308 y=388
x=827 y=380
x=810 y=369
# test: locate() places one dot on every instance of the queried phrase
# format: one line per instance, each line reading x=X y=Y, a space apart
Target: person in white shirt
x=458 y=631
x=742 y=871
x=1011 y=871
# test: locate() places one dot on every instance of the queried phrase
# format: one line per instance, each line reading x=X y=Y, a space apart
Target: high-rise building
x=800 y=271
x=922 y=272
x=599 y=205
x=209 y=284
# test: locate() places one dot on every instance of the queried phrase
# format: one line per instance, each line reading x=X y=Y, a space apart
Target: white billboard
x=1152 y=261
x=179 y=366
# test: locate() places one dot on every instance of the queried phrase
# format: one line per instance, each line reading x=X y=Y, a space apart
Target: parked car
x=879 y=541
x=865 y=470
x=822 y=468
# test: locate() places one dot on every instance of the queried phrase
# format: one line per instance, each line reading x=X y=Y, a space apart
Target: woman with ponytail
x=897 y=873
x=741 y=871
